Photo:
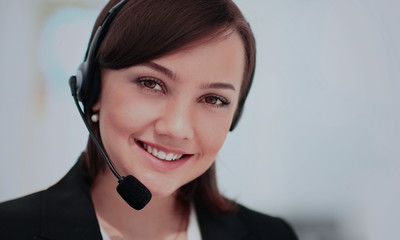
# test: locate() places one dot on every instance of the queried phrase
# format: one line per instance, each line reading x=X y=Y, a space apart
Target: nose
x=176 y=121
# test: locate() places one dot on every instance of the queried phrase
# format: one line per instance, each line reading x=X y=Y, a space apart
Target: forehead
x=219 y=58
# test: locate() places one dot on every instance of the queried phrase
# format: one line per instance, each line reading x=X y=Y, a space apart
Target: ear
x=96 y=107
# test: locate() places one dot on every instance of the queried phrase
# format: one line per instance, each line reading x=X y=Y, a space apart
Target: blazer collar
x=68 y=213
x=216 y=227
x=67 y=209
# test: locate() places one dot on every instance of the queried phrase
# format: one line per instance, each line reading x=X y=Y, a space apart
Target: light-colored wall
x=319 y=142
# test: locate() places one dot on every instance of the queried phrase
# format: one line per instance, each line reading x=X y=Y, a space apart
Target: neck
x=160 y=219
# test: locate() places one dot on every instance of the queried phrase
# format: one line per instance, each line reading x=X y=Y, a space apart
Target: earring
x=95 y=117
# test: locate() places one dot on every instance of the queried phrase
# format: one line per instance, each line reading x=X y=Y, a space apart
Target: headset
x=85 y=87
x=88 y=77
x=135 y=193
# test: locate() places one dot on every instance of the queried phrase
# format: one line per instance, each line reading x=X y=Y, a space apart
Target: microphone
x=135 y=193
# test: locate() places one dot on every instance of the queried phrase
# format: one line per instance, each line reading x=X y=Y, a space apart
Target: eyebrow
x=160 y=69
x=170 y=74
x=219 y=85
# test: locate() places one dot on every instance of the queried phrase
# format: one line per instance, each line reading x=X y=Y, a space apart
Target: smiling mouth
x=165 y=156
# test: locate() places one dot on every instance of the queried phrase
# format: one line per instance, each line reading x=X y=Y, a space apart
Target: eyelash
x=143 y=80
x=224 y=102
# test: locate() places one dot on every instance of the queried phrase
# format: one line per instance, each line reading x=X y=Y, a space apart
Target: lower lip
x=159 y=164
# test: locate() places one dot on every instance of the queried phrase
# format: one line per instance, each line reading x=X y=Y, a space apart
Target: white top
x=193 y=230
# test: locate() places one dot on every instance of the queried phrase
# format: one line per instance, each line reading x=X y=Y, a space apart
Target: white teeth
x=160 y=154
x=149 y=149
x=154 y=152
x=169 y=157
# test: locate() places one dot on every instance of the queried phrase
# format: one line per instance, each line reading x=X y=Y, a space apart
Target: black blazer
x=65 y=211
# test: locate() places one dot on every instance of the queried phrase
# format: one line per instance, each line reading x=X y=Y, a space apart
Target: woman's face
x=164 y=121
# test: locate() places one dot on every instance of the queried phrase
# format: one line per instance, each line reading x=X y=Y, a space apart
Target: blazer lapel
x=67 y=209
x=68 y=213
x=216 y=227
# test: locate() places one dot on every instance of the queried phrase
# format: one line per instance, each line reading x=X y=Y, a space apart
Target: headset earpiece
x=87 y=75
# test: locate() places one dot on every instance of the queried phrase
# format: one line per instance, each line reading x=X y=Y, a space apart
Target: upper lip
x=162 y=148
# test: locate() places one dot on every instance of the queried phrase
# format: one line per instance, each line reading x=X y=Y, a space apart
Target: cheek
x=212 y=135
x=215 y=143
x=212 y=130
x=119 y=119
x=128 y=114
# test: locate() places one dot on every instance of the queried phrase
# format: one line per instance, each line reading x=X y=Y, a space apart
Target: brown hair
x=147 y=29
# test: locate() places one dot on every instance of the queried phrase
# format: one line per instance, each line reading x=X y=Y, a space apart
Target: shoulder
x=63 y=211
x=243 y=224
x=21 y=216
x=265 y=226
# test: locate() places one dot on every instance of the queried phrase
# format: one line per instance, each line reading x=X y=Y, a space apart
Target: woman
x=162 y=84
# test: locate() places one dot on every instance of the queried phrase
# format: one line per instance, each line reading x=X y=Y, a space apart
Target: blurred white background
x=318 y=144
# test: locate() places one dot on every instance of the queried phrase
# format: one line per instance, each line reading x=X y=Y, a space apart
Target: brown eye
x=216 y=101
x=150 y=84
x=211 y=100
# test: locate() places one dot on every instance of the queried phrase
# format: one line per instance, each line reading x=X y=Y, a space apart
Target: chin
x=162 y=193
x=163 y=190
